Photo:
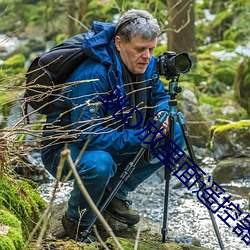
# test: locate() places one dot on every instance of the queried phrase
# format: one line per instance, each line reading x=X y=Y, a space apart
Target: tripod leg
x=181 y=120
x=164 y=229
x=167 y=174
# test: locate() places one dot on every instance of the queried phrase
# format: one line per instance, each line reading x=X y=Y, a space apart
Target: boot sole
x=121 y=219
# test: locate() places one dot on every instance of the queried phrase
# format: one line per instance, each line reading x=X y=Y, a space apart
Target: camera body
x=171 y=65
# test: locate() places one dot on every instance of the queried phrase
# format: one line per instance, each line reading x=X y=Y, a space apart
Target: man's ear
x=118 y=42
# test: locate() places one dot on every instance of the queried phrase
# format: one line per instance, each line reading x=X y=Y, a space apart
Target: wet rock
x=197 y=125
x=30 y=167
x=231 y=169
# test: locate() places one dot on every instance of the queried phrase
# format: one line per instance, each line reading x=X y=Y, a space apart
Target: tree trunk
x=181 y=27
x=83 y=7
x=71 y=6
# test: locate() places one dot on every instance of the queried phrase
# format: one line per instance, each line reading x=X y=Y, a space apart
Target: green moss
x=6 y=96
x=214 y=101
x=236 y=125
x=174 y=246
x=21 y=199
x=13 y=238
x=128 y=244
x=91 y=247
x=6 y=243
x=9 y=219
x=13 y=71
x=16 y=237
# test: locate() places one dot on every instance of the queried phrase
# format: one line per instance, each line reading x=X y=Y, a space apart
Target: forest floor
x=149 y=238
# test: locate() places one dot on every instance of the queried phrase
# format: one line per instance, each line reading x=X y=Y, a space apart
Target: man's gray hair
x=137 y=22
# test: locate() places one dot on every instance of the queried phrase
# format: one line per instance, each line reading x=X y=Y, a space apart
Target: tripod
x=173 y=90
x=173 y=114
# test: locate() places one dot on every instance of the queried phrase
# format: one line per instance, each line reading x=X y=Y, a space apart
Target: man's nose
x=146 y=54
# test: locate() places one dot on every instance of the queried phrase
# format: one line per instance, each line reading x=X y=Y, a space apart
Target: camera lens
x=182 y=63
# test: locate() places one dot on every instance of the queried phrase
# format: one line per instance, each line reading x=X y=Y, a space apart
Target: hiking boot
x=121 y=211
x=74 y=231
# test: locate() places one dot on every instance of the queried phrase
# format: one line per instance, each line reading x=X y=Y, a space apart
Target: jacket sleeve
x=89 y=117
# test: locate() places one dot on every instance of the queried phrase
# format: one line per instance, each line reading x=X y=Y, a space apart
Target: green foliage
x=224 y=75
x=17 y=61
x=219 y=102
x=12 y=67
x=216 y=67
x=221 y=23
x=229 y=23
x=160 y=49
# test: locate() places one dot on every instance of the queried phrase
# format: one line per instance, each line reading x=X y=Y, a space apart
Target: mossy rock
x=230 y=139
x=22 y=200
x=128 y=244
x=11 y=237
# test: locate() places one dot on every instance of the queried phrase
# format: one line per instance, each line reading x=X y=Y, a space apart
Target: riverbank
x=188 y=218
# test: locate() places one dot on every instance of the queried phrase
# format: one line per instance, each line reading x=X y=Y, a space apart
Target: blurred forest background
x=215 y=34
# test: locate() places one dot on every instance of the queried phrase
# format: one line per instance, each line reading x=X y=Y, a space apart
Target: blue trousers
x=99 y=170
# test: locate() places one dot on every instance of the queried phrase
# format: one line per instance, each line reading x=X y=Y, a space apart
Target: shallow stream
x=187 y=217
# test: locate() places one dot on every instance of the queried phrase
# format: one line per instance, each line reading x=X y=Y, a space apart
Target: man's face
x=137 y=53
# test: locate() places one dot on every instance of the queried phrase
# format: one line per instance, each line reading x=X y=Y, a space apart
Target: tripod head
x=174 y=88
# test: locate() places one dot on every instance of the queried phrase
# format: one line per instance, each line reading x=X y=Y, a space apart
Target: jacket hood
x=98 y=43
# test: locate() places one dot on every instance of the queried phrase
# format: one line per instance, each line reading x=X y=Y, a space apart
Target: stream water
x=187 y=217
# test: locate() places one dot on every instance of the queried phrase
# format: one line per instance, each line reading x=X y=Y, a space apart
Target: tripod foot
x=164 y=232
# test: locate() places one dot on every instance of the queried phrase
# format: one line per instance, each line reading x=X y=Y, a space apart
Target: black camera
x=170 y=64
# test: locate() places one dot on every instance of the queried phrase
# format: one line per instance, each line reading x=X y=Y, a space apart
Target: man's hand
x=165 y=125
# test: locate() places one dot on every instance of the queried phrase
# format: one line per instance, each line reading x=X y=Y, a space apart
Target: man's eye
x=139 y=50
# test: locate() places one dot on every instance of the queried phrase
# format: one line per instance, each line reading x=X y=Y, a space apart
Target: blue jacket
x=88 y=117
